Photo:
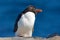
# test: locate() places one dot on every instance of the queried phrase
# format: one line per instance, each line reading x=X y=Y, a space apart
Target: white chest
x=27 y=20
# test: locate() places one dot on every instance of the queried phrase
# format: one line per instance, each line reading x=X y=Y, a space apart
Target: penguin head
x=32 y=9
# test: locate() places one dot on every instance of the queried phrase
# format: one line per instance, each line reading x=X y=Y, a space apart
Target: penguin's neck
x=30 y=15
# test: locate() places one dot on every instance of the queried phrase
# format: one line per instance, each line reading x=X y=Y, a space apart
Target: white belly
x=26 y=24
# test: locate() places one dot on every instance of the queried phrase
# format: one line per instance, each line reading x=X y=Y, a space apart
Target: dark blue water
x=47 y=22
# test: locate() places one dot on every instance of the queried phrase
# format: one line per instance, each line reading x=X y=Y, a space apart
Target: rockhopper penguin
x=25 y=22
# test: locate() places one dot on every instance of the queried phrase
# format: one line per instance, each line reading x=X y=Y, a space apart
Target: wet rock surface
x=32 y=38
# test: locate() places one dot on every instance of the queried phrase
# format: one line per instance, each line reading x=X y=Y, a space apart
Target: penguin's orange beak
x=38 y=10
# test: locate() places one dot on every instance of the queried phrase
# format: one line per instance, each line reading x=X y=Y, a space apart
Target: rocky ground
x=37 y=38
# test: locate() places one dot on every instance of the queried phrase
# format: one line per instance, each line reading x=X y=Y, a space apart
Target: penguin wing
x=15 y=25
x=19 y=16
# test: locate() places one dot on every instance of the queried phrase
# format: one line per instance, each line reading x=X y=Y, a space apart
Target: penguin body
x=25 y=22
